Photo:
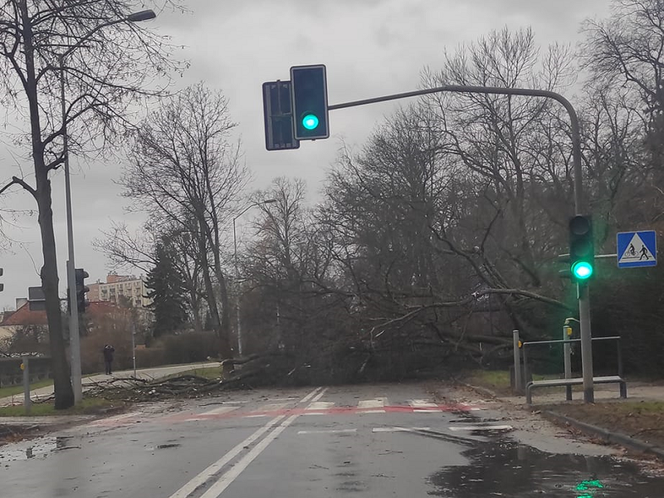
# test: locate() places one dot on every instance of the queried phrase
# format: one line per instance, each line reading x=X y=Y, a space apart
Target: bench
x=614 y=379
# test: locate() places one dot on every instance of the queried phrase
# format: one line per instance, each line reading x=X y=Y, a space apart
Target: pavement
x=545 y=402
x=371 y=440
x=91 y=381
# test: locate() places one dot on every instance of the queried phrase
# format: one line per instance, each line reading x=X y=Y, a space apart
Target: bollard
x=518 y=384
x=27 y=402
x=567 y=359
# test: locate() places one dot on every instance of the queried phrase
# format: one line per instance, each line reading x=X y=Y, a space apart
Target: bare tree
x=186 y=173
x=627 y=49
x=106 y=62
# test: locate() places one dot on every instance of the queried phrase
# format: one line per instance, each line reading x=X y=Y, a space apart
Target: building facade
x=120 y=289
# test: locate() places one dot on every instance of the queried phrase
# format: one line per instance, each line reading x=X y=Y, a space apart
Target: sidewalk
x=144 y=373
x=636 y=422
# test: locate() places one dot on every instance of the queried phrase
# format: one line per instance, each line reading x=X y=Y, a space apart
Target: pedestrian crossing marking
x=376 y=405
x=320 y=405
x=379 y=405
x=424 y=406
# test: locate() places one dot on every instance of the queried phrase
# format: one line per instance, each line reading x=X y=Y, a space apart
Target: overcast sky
x=370 y=48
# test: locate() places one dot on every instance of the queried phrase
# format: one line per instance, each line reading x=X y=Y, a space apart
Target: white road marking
x=320 y=405
x=480 y=428
x=227 y=478
x=376 y=405
x=272 y=407
x=312 y=394
x=400 y=429
x=255 y=416
x=424 y=406
x=186 y=490
x=329 y=431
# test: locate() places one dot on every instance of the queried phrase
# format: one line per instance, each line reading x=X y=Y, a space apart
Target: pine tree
x=166 y=291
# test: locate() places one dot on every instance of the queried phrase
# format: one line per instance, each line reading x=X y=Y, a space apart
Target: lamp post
x=237 y=272
x=74 y=337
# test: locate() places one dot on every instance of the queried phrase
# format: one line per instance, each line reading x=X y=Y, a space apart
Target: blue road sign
x=637 y=249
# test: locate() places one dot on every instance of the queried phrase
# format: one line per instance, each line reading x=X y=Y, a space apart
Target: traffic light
x=581 y=248
x=2 y=286
x=278 y=116
x=81 y=289
x=309 y=99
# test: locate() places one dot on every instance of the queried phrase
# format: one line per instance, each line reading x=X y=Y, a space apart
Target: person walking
x=108 y=358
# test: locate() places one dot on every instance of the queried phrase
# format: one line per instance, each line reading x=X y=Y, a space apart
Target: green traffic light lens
x=582 y=270
x=310 y=121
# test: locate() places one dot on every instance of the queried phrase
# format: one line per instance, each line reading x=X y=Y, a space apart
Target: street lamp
x=237 y=271
x=74 y=338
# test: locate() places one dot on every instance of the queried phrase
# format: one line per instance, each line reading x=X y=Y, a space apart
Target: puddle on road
x=506 y=469
x=35 y=448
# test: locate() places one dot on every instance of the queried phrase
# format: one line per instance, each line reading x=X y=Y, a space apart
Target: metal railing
x=521 y=377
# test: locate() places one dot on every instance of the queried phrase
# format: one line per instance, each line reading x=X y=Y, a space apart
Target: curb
x=607 y=435
x=482 y=390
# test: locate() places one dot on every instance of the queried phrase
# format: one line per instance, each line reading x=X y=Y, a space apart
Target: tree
x=166 y=292
x=628 y=48
x=187 y=175
x=106 y=62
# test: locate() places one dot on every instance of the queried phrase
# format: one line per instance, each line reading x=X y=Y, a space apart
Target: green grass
x=639 y=406
x=498 y=380
x=14 y=390
x=88 y=406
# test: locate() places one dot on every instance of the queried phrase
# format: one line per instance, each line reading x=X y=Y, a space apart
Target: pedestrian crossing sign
x=636 y=249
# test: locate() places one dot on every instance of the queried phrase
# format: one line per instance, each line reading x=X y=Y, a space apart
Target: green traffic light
x=310 y=121
x=582 y=270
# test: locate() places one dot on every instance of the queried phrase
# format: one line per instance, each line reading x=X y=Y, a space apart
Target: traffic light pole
x=74 y=339
x=583 y=294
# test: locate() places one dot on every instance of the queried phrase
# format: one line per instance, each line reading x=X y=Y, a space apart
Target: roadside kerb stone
x=607 y=435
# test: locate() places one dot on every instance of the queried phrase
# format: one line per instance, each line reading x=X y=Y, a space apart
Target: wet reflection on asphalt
x=507 y=469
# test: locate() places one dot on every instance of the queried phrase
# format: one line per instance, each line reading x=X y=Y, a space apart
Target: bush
x=188 y=347
x=150 y=357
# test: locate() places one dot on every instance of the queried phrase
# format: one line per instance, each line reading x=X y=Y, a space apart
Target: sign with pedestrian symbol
x=637 y=249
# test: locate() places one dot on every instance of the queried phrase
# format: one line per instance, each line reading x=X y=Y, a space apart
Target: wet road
x=365 y=441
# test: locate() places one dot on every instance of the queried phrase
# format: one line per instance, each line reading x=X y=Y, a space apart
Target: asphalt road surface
x=364 y=441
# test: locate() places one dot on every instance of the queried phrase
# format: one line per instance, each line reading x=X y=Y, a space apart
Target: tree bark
x=64 y=394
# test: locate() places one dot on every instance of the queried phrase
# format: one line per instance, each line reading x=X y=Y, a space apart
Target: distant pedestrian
x=108 y=358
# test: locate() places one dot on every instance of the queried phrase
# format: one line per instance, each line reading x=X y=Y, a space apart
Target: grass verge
x=88 y=406
x=14 y=390
x=496 y=380
x=642 y=420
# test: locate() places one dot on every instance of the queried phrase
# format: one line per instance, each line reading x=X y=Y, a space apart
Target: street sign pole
x=586 y=338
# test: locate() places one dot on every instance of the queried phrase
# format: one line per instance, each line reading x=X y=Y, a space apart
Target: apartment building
x=120 y=288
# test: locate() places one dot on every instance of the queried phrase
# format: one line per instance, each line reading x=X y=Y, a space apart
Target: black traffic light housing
x=581 y=248
x=81 y=289
x=278 y=116
x=309 y=99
